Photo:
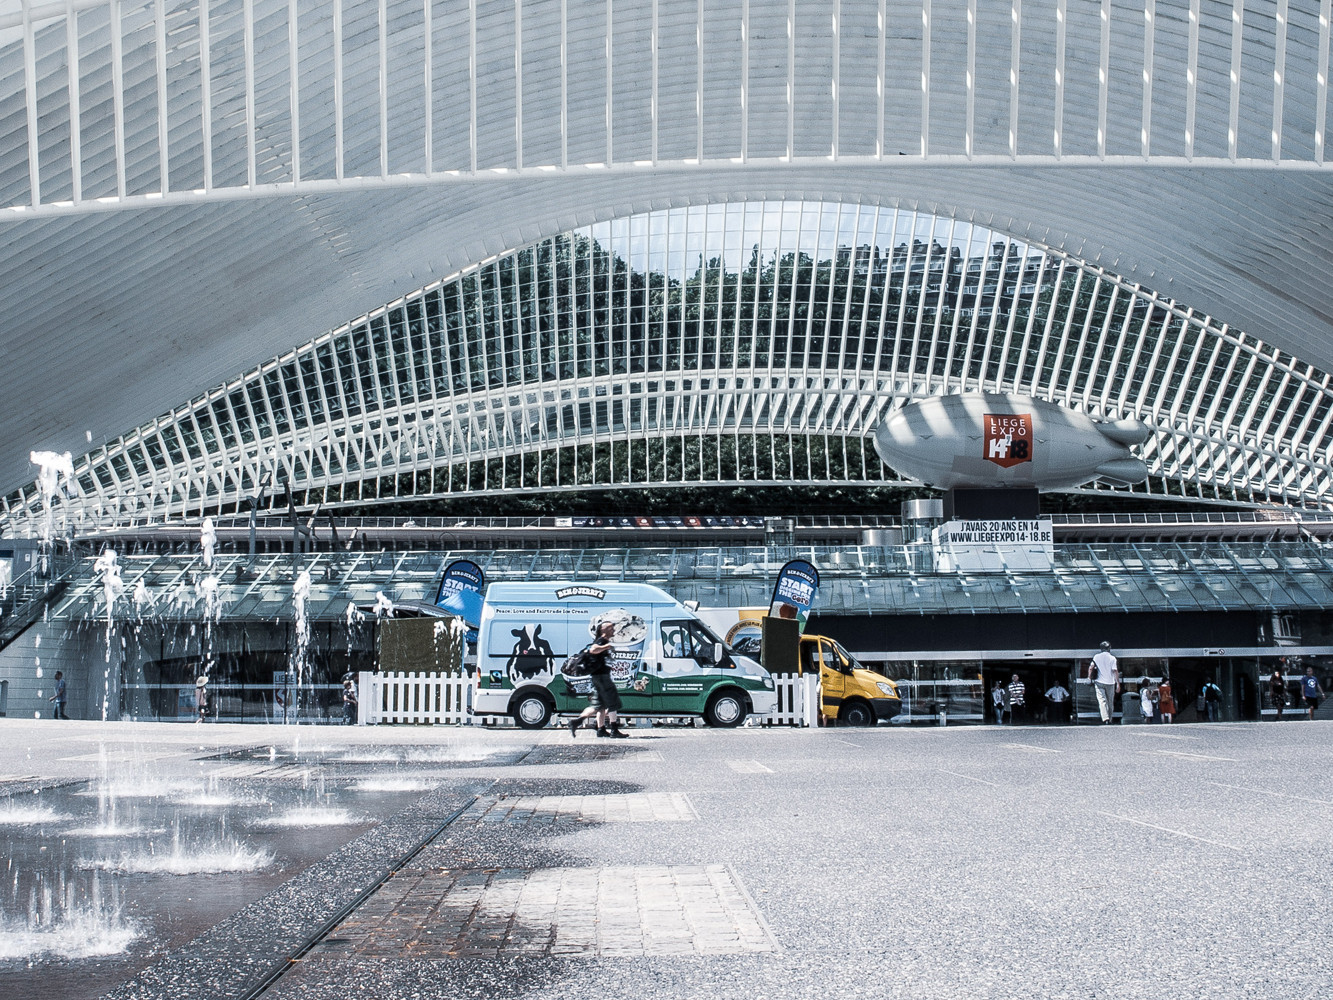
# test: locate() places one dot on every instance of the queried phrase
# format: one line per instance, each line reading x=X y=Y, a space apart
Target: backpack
x=1212 y=692
x=577 y=664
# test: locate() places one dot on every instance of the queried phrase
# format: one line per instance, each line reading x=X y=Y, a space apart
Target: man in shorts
x=1311 y=692
x=603 y=698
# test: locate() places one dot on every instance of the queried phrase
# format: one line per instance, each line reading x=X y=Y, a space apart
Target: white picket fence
x=443 y=700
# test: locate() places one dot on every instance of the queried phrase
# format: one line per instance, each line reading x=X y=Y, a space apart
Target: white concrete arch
x=735 y=343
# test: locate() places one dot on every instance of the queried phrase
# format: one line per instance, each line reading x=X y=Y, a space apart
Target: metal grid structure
x=128 y=102
x=1108 y=577
x=727 y=344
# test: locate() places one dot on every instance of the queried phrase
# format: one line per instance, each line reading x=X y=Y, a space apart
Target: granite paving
x=1187 y=862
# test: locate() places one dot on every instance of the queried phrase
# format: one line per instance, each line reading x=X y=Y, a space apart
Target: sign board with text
x=994 y=546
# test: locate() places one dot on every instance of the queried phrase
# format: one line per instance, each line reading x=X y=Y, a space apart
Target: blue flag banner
x=794 y=593
x=460 y=593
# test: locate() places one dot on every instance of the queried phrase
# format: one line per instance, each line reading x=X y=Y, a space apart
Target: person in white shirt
x=1105 y=675
x=1057 y=695
x=1147 y=694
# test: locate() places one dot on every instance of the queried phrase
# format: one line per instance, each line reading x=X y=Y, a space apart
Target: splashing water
x=55 y=476
x=207 y=539
x=69 y=921
x=354 y=617
x=112 y=587
x=300 y=598
x=212 y=859
x=206 y=591
x=142 y=598
x=17 y=814
x=383 y=606
x=308 y=816
x=394 y=785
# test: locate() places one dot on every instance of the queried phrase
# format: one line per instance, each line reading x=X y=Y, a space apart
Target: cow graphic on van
x=532 y=655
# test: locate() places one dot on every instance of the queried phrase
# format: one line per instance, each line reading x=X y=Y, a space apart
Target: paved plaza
x=1118 y=862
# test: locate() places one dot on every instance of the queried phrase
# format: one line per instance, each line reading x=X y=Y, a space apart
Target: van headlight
x=888 y=689
x=768 y=683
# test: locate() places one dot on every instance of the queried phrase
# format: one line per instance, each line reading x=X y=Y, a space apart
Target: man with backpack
x=603 y=698
x=1212 y=701
x=1311 y=692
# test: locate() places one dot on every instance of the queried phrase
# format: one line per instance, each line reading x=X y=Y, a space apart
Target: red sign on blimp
x=1008 y=438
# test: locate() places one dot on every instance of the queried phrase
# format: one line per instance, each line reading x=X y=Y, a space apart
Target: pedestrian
x=603 y=698
x=201 y=696
x=1166 y=701
x=1311 y=692
x=1057 y=696
x=59 y=697
x=349 y=701
x=1104 y=673
x=1212 y=700
x=1018 y=697
x=999 y=698
x=1277 y=690
x=1147 y=699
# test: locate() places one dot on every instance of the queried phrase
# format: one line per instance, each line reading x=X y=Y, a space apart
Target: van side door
x=683 y=673
x=832 y=681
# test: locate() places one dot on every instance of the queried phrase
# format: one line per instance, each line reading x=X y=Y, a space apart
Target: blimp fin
x=1123 y=470
x=1126 y=432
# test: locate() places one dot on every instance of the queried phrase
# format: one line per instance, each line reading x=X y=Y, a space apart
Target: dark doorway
x=1038 y=676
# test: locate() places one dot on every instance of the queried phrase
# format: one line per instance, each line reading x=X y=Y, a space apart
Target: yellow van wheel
x=857 y=713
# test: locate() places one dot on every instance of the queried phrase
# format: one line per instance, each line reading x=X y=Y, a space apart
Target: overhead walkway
x=1266 y=576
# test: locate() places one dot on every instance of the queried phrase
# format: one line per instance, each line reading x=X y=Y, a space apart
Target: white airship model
x=995 y=440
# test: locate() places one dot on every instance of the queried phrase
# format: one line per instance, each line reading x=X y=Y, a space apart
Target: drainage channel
x=282 y=967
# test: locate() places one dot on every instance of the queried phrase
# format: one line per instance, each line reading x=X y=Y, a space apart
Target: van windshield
x=848 y=658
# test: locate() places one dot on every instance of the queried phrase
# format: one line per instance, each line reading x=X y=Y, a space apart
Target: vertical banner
x=794 y=593
x=461 y=593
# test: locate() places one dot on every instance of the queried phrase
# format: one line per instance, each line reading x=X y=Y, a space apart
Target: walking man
x=1212 y=701
x=59 y=697
x=1017 y=700
x=349 y=701
x=1311 y=692
x=1104 y=673
x=603 y=698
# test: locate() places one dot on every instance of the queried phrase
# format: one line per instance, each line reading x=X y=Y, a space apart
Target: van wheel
x=531 y=710
x=857 y=713
x=726 y=710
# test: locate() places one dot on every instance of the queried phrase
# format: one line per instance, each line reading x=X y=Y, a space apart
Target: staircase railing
x=24 y=598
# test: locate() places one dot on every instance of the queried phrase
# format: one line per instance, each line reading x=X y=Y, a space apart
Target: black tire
x=532 y=709
x=857 y=713
x=727 y=709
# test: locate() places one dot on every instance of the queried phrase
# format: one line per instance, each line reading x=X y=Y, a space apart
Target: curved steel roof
x=1178 y=146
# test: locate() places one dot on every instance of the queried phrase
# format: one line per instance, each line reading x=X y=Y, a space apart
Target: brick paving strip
x=594 y=912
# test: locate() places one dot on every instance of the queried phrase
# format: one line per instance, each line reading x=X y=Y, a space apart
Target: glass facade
x=754 y=342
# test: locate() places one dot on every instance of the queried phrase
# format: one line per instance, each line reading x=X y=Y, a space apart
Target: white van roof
x=555 y=592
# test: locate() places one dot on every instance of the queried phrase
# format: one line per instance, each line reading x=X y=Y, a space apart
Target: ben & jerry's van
x=664 y=660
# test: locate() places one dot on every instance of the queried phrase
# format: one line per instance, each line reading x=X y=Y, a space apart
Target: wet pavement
x=1117 y=862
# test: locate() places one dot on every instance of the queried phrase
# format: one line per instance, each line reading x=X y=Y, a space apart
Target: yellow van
x=849 y=692
x=851 y=695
